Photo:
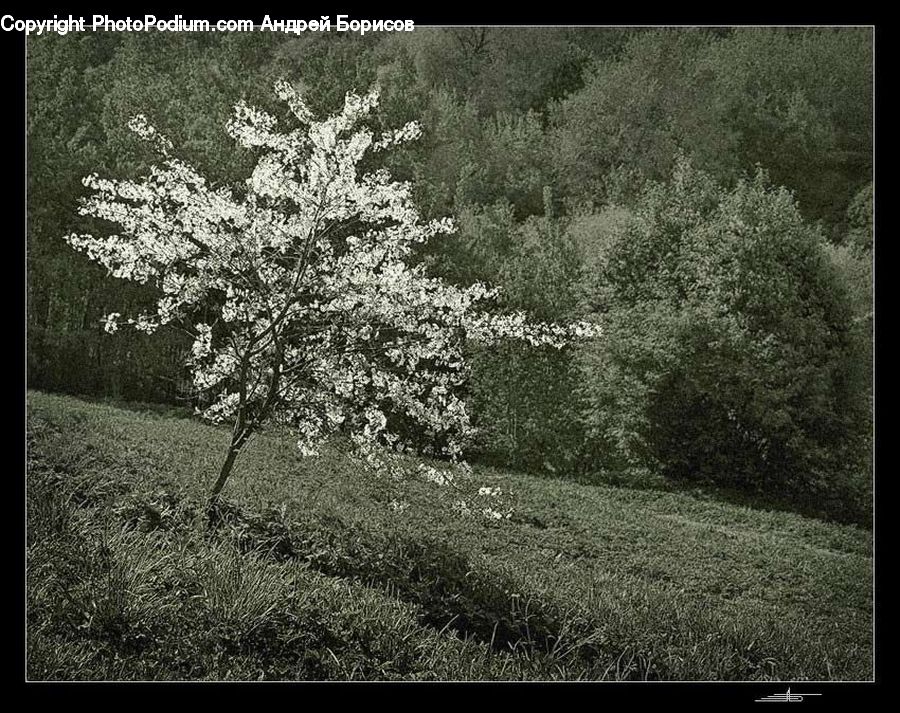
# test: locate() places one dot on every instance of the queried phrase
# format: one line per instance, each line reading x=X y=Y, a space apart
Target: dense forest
x=705 y=195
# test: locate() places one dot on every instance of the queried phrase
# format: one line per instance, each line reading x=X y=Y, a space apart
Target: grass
x=315 y=576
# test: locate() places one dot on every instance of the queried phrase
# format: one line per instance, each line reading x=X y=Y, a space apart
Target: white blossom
x=110 y=323
x=490 y=492
x=299 y=289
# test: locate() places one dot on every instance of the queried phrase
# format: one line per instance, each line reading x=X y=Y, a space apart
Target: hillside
x=316 y=576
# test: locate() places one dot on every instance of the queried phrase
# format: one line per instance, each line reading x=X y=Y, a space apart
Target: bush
x=729 y=354
x=524 y=400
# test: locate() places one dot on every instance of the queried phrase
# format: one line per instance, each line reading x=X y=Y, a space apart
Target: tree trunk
x=225 y=471
x=237 y=442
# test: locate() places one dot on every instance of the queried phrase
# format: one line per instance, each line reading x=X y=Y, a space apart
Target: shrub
x=525 y=401
x=729 y=352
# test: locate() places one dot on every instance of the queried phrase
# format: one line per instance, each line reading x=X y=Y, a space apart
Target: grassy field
x=315 y=576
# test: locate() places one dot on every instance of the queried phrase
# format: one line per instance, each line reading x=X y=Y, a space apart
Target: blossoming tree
x=299 y=288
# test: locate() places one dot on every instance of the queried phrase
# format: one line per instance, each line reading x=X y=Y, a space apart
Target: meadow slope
x=315 y=576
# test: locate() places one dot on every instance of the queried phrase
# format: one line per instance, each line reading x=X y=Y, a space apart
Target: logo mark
x=785 y=697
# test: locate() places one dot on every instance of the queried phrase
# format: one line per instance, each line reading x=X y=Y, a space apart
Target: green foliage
x=634 y=112
x=796 y=102
x=800 y=103
x=861 y=218
x=82 y=92
x=728 y=344
x=325 y=70
x=853 y=264
x=526 y=400
x=508 y=69
x=527 y=411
